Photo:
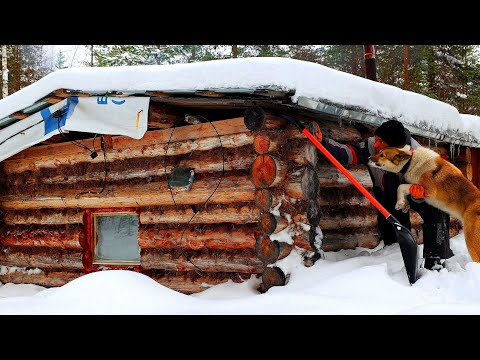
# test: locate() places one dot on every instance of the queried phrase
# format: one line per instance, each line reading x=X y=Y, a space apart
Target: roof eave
x=370 y=119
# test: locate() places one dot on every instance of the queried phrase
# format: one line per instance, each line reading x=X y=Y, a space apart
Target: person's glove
x=319 y=135
x=314 y=129
x=417 y=191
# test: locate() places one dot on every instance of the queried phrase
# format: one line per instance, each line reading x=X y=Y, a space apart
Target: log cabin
x=206 y=183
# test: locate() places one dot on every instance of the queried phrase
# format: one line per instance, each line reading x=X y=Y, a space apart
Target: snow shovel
x=408 y=245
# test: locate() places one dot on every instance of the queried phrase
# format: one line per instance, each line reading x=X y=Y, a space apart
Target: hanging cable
x=93 y=154
x=195 y=211
x=102 y=145
x=58 y=115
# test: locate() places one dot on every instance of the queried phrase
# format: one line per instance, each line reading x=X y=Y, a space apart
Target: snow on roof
x=469 y=128
x=470 y=122
x=315 y=86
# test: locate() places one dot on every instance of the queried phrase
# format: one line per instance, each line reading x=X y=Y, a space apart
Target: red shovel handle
x=339 y=166
x=345 y=172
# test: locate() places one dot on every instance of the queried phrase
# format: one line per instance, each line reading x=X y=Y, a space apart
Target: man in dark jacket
x=436 y=223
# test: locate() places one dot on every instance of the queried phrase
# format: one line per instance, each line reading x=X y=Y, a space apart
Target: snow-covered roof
x=314 y=87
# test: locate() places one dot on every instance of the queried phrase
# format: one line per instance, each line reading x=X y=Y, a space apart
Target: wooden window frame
x=89 y=242
x=95 y=261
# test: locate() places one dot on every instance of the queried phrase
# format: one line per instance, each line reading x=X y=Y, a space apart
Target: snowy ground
x=357 y=281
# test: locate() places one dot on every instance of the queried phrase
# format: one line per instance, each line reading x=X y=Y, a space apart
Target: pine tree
x=452 y=74
x=389 y=61
x=26 y=65
x=347 y=58
x=449 y=73
x=173 y=54
x=117 y=55
x=33 y=64
x=60 y=61
x=312 y=53
x=263 y=51
x=14 y=67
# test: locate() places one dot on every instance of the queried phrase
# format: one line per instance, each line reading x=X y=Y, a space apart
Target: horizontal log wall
x=46 y=189
x=243 y=261
x=49 y=236
x=43 y=258
x=231 y=189
x=208 y=237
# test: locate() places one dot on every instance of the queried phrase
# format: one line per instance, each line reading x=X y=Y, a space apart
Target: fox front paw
x=402 y=205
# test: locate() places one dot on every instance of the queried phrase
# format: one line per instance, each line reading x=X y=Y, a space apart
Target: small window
x=116 y=238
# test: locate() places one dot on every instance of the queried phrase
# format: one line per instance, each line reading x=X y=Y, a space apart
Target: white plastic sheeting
x=102 y=115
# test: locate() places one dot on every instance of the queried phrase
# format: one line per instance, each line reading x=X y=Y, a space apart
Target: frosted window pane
x=117 y=238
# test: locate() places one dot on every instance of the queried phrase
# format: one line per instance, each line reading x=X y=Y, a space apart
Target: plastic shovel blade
x=408 y=247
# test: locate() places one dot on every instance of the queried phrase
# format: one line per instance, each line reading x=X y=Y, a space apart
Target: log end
x=267 y=223
x=273 y=276
x=285 y=250
x=263 y=199
x=312 y=155
x=263 y=171
x=254 y=118
x=267 y=250
x=261 y=143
